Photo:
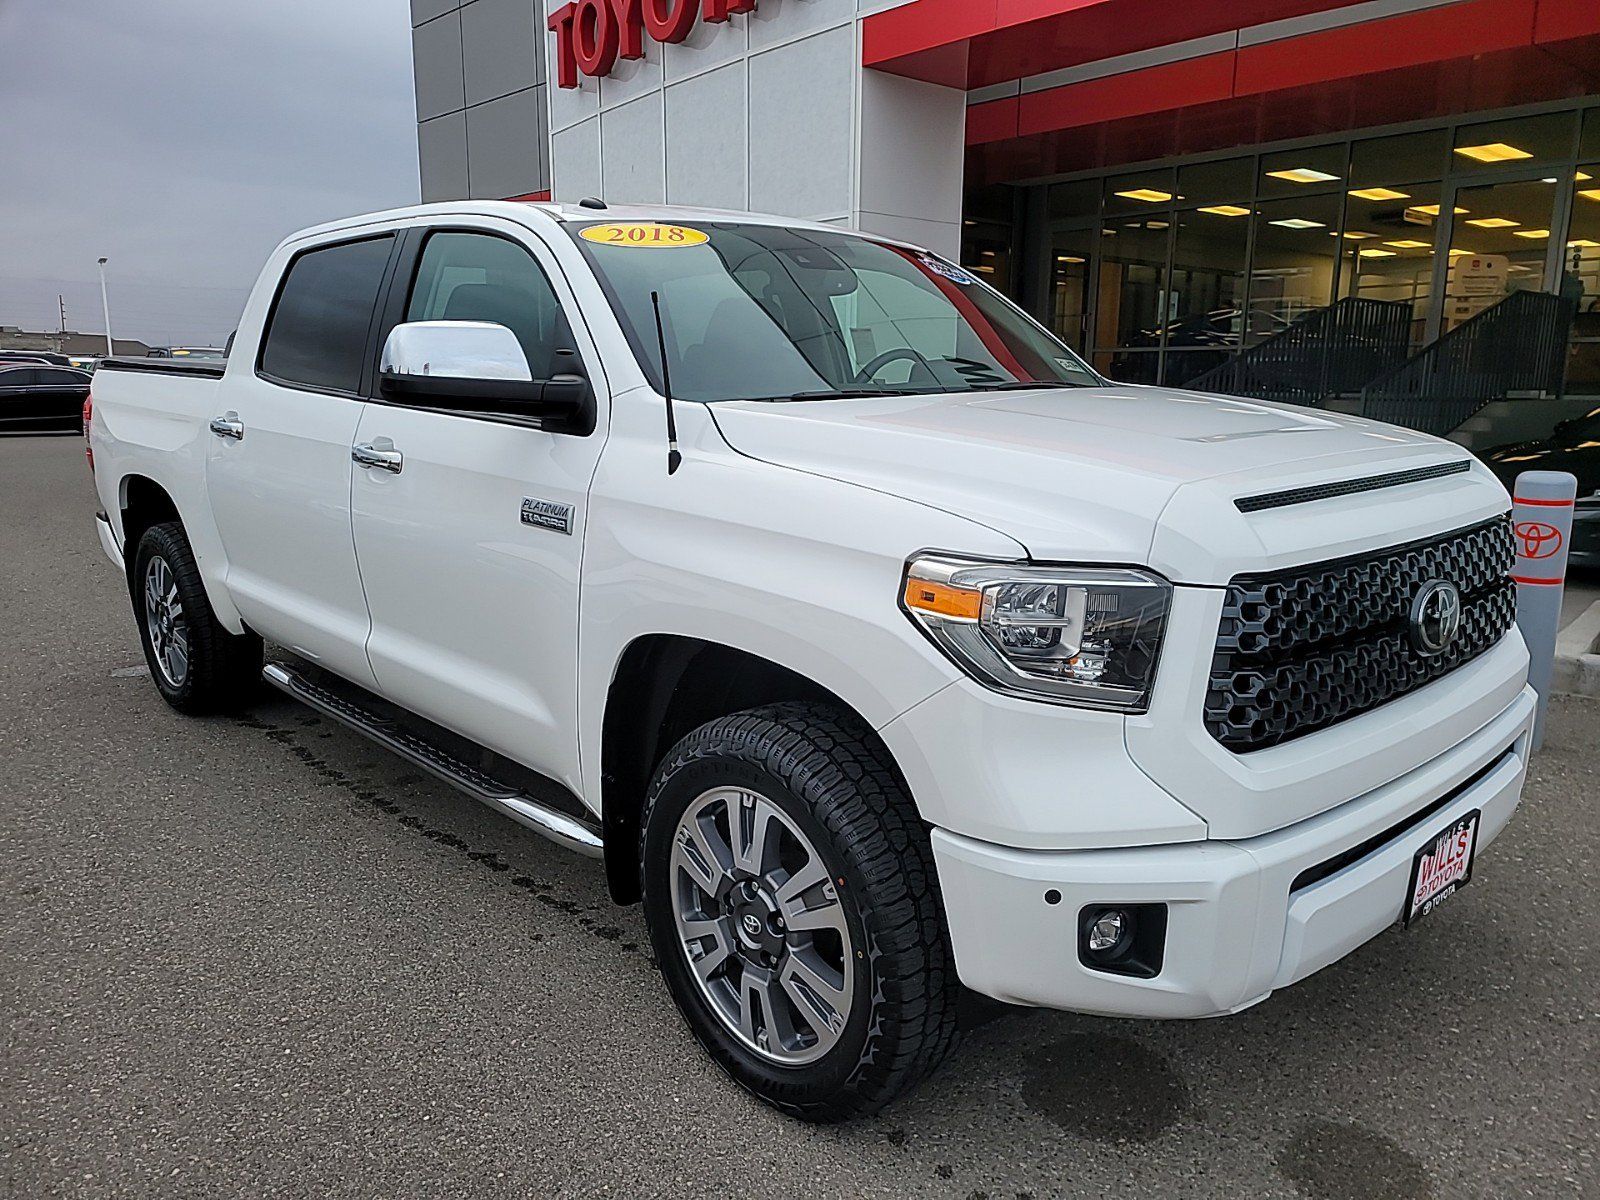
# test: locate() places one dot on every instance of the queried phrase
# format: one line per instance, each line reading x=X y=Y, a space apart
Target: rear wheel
x=790 y=894
x=197 y=665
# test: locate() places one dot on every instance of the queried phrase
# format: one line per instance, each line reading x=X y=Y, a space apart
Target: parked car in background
x=84 y=362
x=1572 y=446
x=201 y=352
x=22 y=356
x=41 y=398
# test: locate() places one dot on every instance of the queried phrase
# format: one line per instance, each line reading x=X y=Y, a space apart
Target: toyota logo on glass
x=592 y=34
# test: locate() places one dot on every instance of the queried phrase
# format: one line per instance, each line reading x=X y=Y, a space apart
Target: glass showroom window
x=1580 y=278
x=1295 y=261
x=1211 y=246
x=1392 y=220
x=1133 y=299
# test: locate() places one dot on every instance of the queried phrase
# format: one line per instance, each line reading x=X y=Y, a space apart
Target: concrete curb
x=1577 y=665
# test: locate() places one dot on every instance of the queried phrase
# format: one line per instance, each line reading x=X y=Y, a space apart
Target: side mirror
x=472 y=366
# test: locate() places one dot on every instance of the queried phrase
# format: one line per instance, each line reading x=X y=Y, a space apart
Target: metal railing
x=1515 y=350
x=1331 y=352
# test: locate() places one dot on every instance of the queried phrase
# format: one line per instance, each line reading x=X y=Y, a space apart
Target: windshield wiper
x=853 y=393
x=1019 y=385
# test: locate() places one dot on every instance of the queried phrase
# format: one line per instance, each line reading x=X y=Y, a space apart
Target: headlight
x=1072 y=635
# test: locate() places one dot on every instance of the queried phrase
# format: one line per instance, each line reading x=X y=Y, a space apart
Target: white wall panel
x=912 y=152
x=776 y=21
x=575 y=157
x=633 y=77
x=706 y=163
x=802 y=125
x=708 y=47
x=631 y=167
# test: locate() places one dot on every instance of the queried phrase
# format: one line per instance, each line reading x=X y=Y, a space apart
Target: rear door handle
x=228 y=425
x=386 y=458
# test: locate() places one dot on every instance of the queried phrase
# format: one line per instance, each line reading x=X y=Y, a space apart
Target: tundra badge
x=547 y=514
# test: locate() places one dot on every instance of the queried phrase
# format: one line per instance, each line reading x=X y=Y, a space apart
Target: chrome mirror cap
x=455 y=350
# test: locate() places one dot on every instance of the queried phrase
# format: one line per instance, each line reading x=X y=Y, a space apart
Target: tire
x=215 y=670
x=869 y=906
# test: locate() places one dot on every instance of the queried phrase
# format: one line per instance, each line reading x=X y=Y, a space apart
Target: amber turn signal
x=943 y=599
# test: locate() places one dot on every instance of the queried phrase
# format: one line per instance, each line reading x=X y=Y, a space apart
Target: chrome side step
x=541 y=818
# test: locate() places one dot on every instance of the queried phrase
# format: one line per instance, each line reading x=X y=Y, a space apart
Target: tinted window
x=60 y=377
x=476 y=277
x=761 y=312
x=16 y=377
x=318 y=334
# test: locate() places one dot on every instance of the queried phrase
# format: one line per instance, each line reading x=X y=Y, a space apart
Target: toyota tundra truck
x=871 y=639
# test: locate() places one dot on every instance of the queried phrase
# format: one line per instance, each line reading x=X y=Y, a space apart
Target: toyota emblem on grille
x=1435 y=617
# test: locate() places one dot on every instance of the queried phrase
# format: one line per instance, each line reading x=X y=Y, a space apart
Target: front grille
x=1300 y=650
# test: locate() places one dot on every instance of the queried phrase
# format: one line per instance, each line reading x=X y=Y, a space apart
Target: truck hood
x=1126 y=474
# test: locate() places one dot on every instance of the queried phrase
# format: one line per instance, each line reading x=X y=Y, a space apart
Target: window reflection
x=1580 y=279
x=1388 y=247
x=1132 y=298
x=1296 y=255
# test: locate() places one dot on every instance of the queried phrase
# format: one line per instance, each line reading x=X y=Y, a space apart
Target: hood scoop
x=1348 y=487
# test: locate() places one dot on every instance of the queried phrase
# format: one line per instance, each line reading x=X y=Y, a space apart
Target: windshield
x=758 y=312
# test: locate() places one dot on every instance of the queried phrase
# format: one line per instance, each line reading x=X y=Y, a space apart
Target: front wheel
x=790 y=893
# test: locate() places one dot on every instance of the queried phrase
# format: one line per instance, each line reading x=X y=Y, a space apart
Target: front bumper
x=1238 y=928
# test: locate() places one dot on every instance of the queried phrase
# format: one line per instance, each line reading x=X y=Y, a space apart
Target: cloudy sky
x=183 y=139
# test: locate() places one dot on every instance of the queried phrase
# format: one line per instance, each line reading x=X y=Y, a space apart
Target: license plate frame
x=1452 y=871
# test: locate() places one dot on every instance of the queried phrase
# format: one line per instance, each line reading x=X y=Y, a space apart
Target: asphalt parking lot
x=256 y=956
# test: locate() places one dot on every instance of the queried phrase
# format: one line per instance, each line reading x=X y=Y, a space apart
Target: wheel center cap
x=755 y=920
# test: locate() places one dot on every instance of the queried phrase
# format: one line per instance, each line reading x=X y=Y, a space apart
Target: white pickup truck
x=871 y=638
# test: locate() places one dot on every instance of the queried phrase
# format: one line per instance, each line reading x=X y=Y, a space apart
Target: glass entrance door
x=1500 y=242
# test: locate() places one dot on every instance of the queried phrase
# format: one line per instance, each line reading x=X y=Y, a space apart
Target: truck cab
x=872 y=640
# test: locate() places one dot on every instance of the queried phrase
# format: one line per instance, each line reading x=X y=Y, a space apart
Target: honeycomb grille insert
x=1301 y=650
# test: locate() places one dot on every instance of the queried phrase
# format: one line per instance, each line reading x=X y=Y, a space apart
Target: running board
x=519 y=806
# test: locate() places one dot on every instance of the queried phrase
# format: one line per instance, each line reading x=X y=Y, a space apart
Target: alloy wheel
x=761 y=924
x=165 y=622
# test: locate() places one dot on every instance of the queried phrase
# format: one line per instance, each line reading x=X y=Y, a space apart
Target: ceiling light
x=1591 y=194
x=1493 y=152
x=1583 y=243
x=1155 y=225
x=1226 y=210
x=1432 y=210
x=1550 y=179
x=1298 y=223
x=1379 y=193
x=1493 y=223
x=1457 y=252
x=1582 y=175
x=1409 y=244
x=1356 y=235
x=1532 y=234
x=1302 y=175
x=1148 y=195
x=1375 y=253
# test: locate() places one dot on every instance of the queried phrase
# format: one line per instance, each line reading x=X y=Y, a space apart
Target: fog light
x=1123 y=939
x=1107 y=930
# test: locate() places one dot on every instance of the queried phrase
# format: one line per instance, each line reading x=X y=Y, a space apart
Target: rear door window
x=20 y=377
x=317 y=336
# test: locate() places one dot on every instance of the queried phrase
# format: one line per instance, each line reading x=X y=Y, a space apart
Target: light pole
x=105 y=305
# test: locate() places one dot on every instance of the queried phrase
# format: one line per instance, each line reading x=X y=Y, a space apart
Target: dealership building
x=1301 y=199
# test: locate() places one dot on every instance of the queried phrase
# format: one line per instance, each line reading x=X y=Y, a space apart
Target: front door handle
x=228 y=425
x=385 y=457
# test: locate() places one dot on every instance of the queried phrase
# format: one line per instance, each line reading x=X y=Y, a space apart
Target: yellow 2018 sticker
x=644 y=235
